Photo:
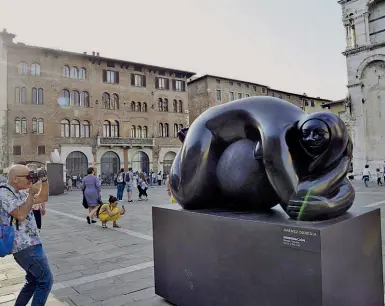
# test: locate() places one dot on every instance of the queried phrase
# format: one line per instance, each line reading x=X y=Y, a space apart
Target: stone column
x=358 y=130
x=125 y=158
x=367 y=31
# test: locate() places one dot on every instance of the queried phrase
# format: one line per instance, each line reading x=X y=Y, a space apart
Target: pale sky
x=291 y=45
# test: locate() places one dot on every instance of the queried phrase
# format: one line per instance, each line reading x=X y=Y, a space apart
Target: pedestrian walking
x=92 y=194
x=129 y=179
x=366 y=175
x=120 y=184
x=142 y=187
x=16 y=209
x=379 y=176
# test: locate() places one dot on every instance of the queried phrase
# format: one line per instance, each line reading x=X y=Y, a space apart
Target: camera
x=35 y=175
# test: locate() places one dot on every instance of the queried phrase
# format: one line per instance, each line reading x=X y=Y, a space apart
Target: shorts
x=129 y=188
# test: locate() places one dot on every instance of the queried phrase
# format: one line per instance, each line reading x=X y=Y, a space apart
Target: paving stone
x=7 y=298
x=80 y=299
x=67 y=276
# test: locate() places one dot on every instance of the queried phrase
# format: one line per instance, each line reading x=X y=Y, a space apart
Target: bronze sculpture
x=258 y=152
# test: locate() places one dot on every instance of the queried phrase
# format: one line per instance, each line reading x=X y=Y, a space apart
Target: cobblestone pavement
x=93 y=266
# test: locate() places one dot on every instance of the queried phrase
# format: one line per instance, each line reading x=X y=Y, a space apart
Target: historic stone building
x=364 y=21
x=97 y=111
x=209 y=90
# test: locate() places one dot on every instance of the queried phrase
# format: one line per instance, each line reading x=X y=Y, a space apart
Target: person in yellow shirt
x=110 y=212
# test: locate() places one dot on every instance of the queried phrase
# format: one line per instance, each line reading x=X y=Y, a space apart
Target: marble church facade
x=364 y=21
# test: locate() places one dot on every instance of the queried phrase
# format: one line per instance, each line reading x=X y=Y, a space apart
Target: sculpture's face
x=315 y=136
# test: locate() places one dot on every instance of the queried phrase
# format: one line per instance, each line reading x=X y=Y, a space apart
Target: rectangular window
x=312 y=103
x=231 y=83
x=306 y=103
x=41 y=150
x=232 y=96
x=263 y=90
x=111 y=76
x=179 y=85
x=219 y=95
x=239 y=84
x=218 y=81
x=239 y=95
x=254 y=88
x=138 y=80
x=247 y=95
x=16 y=150
x=162 y=83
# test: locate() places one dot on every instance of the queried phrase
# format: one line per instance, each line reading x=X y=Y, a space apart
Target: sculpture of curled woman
x=255 y=153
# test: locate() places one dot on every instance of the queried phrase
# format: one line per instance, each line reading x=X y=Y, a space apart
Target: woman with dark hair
x=110 y=212
x=92 y=193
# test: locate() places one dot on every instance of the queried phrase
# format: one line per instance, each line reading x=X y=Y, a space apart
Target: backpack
x=127 y=178
x=120 y=177
x=7 y=234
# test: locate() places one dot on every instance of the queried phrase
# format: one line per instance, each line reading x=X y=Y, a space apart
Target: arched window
x=23 y=68
x=37 y=126
x=133 y=106
x=139 y=107
x=75 y=128
x=180 y=106
x=34 y=126
x=23 y=95
x=106 y=129
x=17 y=126
x=160 y=105
x=106 y=100
x=66 y=72
x=133 y=131
x=65 y=97
x=116 y=102
x=139 y=134
x=23 y=126
x=145 y=132
x=165 y=133
x=176 y=130
x=160 y=130
x=17 y=95
x=40 y=126
x=74 y=73
x=85 y=99
x=85 y=131
x=175 y=106
x=82 y=73
x=65 y=128
x=165 y=105
x=115 y=129
x=144 y=108
x=35 y=69
x=75 y=98
x=37 y=96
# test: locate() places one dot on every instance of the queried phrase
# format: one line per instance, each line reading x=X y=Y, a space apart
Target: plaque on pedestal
x=55 y=177
x=209 y=257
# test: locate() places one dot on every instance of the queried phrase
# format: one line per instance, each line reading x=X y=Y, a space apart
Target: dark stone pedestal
x=205 y=258
x=55 y=178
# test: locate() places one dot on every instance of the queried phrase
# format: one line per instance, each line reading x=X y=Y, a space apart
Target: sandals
x=116 y=225
x=104 y=224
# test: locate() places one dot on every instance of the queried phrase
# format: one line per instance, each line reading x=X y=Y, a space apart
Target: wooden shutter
x=117 y=77
x=144 y=81
x=104 y=75
x=183 y=86
x=167 y=84
x=173 y=85
x=133 y=79
x=156 y=82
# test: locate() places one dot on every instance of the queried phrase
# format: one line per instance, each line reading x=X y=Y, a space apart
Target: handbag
x=7 y=234
x=84 y=203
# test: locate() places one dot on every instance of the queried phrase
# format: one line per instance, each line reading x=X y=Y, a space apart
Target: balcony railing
x=76 y=140
x=125 y=142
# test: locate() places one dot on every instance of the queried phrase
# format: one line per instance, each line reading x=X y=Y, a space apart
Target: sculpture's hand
x=307 y=207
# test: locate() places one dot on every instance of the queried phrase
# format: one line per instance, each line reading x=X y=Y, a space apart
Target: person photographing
x=16 y=204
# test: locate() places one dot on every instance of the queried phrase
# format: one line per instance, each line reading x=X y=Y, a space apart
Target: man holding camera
x=27 y=249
